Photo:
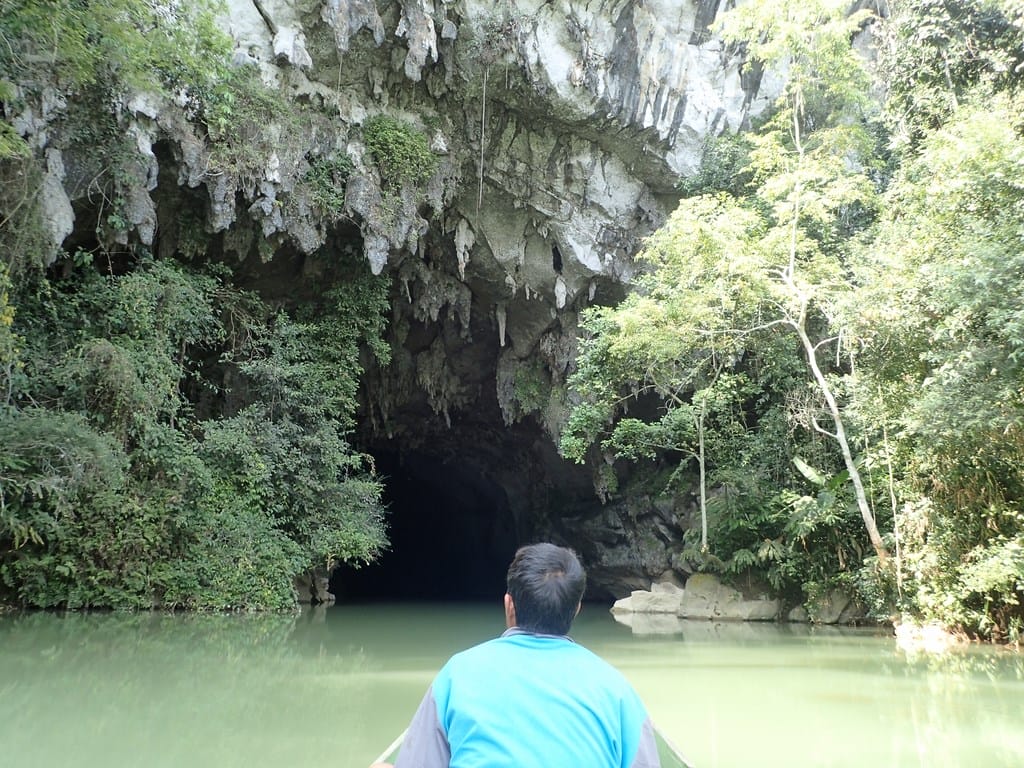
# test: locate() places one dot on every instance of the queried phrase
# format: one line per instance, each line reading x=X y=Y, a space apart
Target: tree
x=934 y=54
x=940 y=312
x=811 y=168
x=732 y=278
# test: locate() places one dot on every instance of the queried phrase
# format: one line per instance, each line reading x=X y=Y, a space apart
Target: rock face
x=661 y=598
x=560 y=130
x=833 y=607
x=707 y=598
x=704 y=597
x=565 y=127
x=312 y=587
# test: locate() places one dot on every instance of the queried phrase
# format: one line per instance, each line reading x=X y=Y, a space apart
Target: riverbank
x=666 y=606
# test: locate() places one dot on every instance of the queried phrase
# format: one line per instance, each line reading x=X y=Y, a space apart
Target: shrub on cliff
x=401 y=152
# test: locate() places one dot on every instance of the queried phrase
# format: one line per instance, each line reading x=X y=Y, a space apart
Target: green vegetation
x=401 y=152
x=245 y=122
x=531 y=387
x=114 y=493
x=118 y=44
x=169 y=439
x=85 y=57
x=327 y=178
x=831 y=322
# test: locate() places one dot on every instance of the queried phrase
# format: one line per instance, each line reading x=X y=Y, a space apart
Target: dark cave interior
x=452 y=535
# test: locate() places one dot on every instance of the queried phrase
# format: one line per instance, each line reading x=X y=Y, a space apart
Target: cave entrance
x=452 y=531
x=466 y=481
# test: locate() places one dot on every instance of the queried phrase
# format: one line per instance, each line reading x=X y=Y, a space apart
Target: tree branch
x=818 y=428
x=266 y=17
x=825 y=341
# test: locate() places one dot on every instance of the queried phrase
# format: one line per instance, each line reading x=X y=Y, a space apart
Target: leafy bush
x=531 y=387
x=10 y=356
x=724 y=166
x=131 y=42
x=113 y=493
x=401 y=152
x=991 y=581
x=113 y=490
x=327 y=177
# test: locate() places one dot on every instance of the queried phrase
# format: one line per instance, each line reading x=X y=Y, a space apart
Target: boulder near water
x=704 y=597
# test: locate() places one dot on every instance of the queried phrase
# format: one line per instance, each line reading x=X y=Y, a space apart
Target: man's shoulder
x=510 y=648
x=483 y=650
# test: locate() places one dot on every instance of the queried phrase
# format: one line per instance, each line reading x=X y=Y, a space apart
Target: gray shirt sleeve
x=425 y=744
x=647 y=754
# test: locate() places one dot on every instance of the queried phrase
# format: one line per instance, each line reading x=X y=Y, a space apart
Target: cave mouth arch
x=469 y=473
x=452 y=529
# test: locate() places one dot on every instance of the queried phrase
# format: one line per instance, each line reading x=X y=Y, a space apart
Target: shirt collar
x=513 y=631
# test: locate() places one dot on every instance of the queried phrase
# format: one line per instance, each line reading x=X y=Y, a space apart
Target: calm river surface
x=332 y=687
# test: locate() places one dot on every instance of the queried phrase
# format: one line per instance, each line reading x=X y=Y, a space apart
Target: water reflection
x=702 y=630
x=785 y=695
x=175 y=690
x=334 y=685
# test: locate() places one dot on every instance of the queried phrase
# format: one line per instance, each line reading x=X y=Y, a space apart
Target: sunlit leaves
x=947 y=274
x=908 y=302
x=935 y=55
x=747 y=287
x=132 y=42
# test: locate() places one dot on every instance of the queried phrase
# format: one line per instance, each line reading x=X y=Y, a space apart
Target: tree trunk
x=703 y=481
x=844 y=445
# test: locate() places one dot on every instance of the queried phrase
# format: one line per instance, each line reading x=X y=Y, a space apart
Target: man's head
x=545 y=584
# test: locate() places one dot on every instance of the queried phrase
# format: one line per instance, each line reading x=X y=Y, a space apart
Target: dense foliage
x=168 y=438
x=113 y=492
x=831 y=321
x=401 y=152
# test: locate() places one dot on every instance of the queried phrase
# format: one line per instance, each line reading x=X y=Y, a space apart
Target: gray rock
x=665 y=600
x=312 y=587
x=290 y=46
x=798 y=615
x=668 y=583
x=828 y=608
x=705 y=597
x=54 y=202
x=651 y=623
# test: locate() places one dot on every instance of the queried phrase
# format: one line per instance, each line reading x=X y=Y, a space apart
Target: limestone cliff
x=560 y=128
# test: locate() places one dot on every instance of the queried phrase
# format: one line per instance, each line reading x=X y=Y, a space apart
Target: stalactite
x=464 y=241
x=560 y=292
x=499 y=312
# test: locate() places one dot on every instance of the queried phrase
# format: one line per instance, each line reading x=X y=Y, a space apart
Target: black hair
x=546 y=583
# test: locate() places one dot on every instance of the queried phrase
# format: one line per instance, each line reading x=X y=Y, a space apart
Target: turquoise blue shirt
x=529 y=701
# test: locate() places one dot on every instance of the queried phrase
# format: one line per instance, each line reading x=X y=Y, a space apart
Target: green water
x=334 y=686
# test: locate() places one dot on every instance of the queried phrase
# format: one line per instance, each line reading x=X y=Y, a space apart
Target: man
x=532 y=698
